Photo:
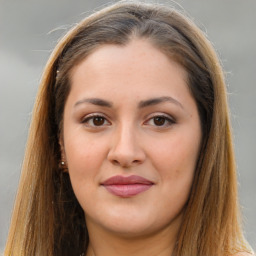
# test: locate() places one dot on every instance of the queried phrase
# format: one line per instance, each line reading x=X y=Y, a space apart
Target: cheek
x=84 y=157
x=176 y=155
x=176 y=159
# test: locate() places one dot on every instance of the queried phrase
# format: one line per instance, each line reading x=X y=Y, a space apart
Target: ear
x=62 y=149
x=63 y=161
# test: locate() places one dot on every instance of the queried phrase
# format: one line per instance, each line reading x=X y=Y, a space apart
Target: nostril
x=125 y=163
x=115 y=162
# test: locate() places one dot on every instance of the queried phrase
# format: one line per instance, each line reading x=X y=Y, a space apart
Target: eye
x=95 y=120
x=160 y=121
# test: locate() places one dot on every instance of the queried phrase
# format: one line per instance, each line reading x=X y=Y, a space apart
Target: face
x=131 y=138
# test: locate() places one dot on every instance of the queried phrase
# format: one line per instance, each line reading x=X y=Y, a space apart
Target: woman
x=130 y=149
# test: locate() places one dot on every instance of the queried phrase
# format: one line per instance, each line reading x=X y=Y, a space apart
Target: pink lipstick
x=127 y=186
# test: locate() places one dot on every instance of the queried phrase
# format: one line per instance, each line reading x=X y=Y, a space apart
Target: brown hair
x=47 y=218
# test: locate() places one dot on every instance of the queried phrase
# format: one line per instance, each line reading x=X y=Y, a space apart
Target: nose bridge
x=125 y=147
x=126 y=138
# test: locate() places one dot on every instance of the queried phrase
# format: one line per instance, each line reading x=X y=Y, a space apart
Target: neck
x=105 y=243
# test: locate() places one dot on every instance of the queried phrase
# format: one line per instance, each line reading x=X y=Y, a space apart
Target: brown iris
x=159 y=121
x=98 y=120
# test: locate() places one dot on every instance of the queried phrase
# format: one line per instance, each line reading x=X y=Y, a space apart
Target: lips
x=127 y=186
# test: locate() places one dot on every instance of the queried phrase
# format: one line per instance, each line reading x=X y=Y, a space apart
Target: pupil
x=97 y=121
x=159 y=121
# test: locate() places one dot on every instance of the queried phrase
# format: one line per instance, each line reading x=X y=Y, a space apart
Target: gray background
x=25 y=45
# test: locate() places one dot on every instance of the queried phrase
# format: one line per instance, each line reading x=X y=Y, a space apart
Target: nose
x=125 y=149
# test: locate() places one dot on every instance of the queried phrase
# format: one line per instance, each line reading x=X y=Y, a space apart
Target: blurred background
x=29 y=30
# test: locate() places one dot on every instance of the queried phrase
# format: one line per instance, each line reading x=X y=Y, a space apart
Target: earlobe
x=63 y=161
x=63 y=166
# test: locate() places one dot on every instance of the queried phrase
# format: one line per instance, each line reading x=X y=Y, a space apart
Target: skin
x=128 y=140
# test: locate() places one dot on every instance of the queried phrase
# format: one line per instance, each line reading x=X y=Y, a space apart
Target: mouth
x=127 y=186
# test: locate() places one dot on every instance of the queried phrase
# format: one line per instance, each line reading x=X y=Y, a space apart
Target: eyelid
x=89 y=117
x=171 y=120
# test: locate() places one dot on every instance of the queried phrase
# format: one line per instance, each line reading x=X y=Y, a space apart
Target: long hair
x=47 y=218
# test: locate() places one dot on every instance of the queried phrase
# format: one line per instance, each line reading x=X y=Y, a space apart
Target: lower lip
x=127 y=190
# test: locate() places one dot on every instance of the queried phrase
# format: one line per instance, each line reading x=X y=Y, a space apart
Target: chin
x=130 y=230
x=133 y=226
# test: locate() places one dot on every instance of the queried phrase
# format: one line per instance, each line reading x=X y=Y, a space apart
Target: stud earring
x=63 y=166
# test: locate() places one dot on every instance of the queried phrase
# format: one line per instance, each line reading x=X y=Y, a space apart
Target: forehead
x=138 y=62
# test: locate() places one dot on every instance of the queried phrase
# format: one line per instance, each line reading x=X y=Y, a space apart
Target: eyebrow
x=142 y=104
x=155 y=101
x=95 y=101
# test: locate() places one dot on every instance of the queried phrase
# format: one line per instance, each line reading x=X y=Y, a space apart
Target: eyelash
x=168 y=121
x=92 y=117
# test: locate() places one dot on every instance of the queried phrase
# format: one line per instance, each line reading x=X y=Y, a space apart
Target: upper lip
x=123 y=180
